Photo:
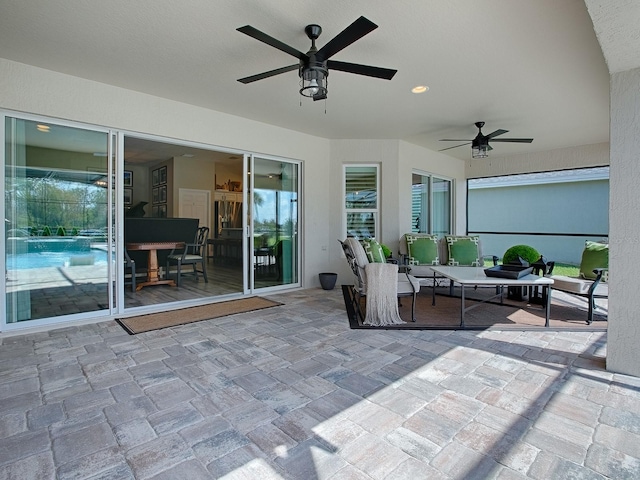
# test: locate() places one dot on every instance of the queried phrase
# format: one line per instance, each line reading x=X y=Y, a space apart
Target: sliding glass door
x=82 y=205
x=274 y=207
x=431 y=204
x=57 y=181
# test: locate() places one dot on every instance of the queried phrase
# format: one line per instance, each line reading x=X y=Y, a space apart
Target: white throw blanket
x=382 y=294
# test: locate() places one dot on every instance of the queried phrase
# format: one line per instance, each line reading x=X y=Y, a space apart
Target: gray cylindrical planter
x=328 y=280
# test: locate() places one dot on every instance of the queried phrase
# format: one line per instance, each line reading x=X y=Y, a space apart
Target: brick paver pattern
x=291 y=392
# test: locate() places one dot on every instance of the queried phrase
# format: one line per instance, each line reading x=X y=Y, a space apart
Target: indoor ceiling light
x=43 y=128
x=419 y=89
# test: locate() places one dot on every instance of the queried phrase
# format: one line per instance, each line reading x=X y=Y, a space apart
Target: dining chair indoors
x=192 y=254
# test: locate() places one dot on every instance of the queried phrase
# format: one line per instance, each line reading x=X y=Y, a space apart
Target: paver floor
x=291 y=392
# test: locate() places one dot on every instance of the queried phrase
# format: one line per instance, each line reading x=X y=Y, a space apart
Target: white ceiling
x=533 y=67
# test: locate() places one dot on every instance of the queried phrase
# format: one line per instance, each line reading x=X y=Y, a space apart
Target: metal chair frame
x=192 y=254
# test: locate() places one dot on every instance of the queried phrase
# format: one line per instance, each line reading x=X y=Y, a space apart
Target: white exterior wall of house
x=38 y=91
x=583 y=156
x=624 y=227
x=28 y=89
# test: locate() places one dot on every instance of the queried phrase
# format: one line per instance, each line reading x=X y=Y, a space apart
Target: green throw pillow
x=595 y=255
x=422 y=249
x=374 y=251
x=463 y=251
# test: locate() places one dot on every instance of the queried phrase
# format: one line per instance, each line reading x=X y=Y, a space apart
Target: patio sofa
x=420 y=251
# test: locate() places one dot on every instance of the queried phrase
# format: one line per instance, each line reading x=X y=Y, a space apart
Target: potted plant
x=518 y=254
x=525 y=252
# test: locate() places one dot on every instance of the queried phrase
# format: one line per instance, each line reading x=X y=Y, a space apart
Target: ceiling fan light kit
x=313 y=82
x=313 y=67
x=478 y=150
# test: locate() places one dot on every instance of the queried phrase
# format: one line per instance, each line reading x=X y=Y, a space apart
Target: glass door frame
x=428 y=202
x=250 y=225
x=104 y=313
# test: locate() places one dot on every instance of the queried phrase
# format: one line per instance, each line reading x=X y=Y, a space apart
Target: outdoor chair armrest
x=550 y=266
x=599 y=273
x=493 y=258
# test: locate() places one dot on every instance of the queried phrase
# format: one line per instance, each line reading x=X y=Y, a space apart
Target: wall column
x=624 y=225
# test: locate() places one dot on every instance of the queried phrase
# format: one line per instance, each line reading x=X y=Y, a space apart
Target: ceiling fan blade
x=455 y=140
x=496 y=133
x=449 y=148
x=517 y=140
x=268 y=74
x=368 y=70
x=353 y=32
x=263 y=37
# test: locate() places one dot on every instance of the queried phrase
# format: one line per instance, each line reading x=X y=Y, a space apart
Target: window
x=361 y=183
x=431 y=202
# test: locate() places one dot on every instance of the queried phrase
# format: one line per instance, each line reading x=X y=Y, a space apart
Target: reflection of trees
x=258 y=201
x=61 y=203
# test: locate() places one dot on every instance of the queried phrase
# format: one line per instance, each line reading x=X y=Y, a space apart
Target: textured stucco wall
x=594 y=155
x=623 y=351
x=33 y=90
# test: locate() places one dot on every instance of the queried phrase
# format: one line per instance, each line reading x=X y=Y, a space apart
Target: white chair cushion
x=358 y=251
x=404 y=284
x=579 y=286
x=421 y=271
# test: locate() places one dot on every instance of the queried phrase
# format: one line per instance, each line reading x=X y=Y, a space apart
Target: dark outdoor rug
x=156 y=321
x=512 y=314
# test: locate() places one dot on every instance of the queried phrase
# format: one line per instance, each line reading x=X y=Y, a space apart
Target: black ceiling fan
x=480 y=145
x=313 y=67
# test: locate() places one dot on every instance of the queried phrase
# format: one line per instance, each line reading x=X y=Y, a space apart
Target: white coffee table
x=472 y=276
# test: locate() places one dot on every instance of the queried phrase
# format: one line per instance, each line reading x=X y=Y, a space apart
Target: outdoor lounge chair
x=592 y=280
x=408 y=285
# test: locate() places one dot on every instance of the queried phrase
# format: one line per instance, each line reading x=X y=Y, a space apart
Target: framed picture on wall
x=162 y=193
x=128 y=196
x=155 y=198
x=155 y=177
x=128 y=178
x=162 y=175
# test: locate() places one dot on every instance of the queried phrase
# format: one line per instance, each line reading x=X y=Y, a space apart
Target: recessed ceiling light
x=420 y=89
x=43 y=128
x=187 y=155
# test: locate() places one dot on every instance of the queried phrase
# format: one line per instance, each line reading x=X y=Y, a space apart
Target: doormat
x=172 y=318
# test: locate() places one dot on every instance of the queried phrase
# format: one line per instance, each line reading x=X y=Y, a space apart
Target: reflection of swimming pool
x=22 y=261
